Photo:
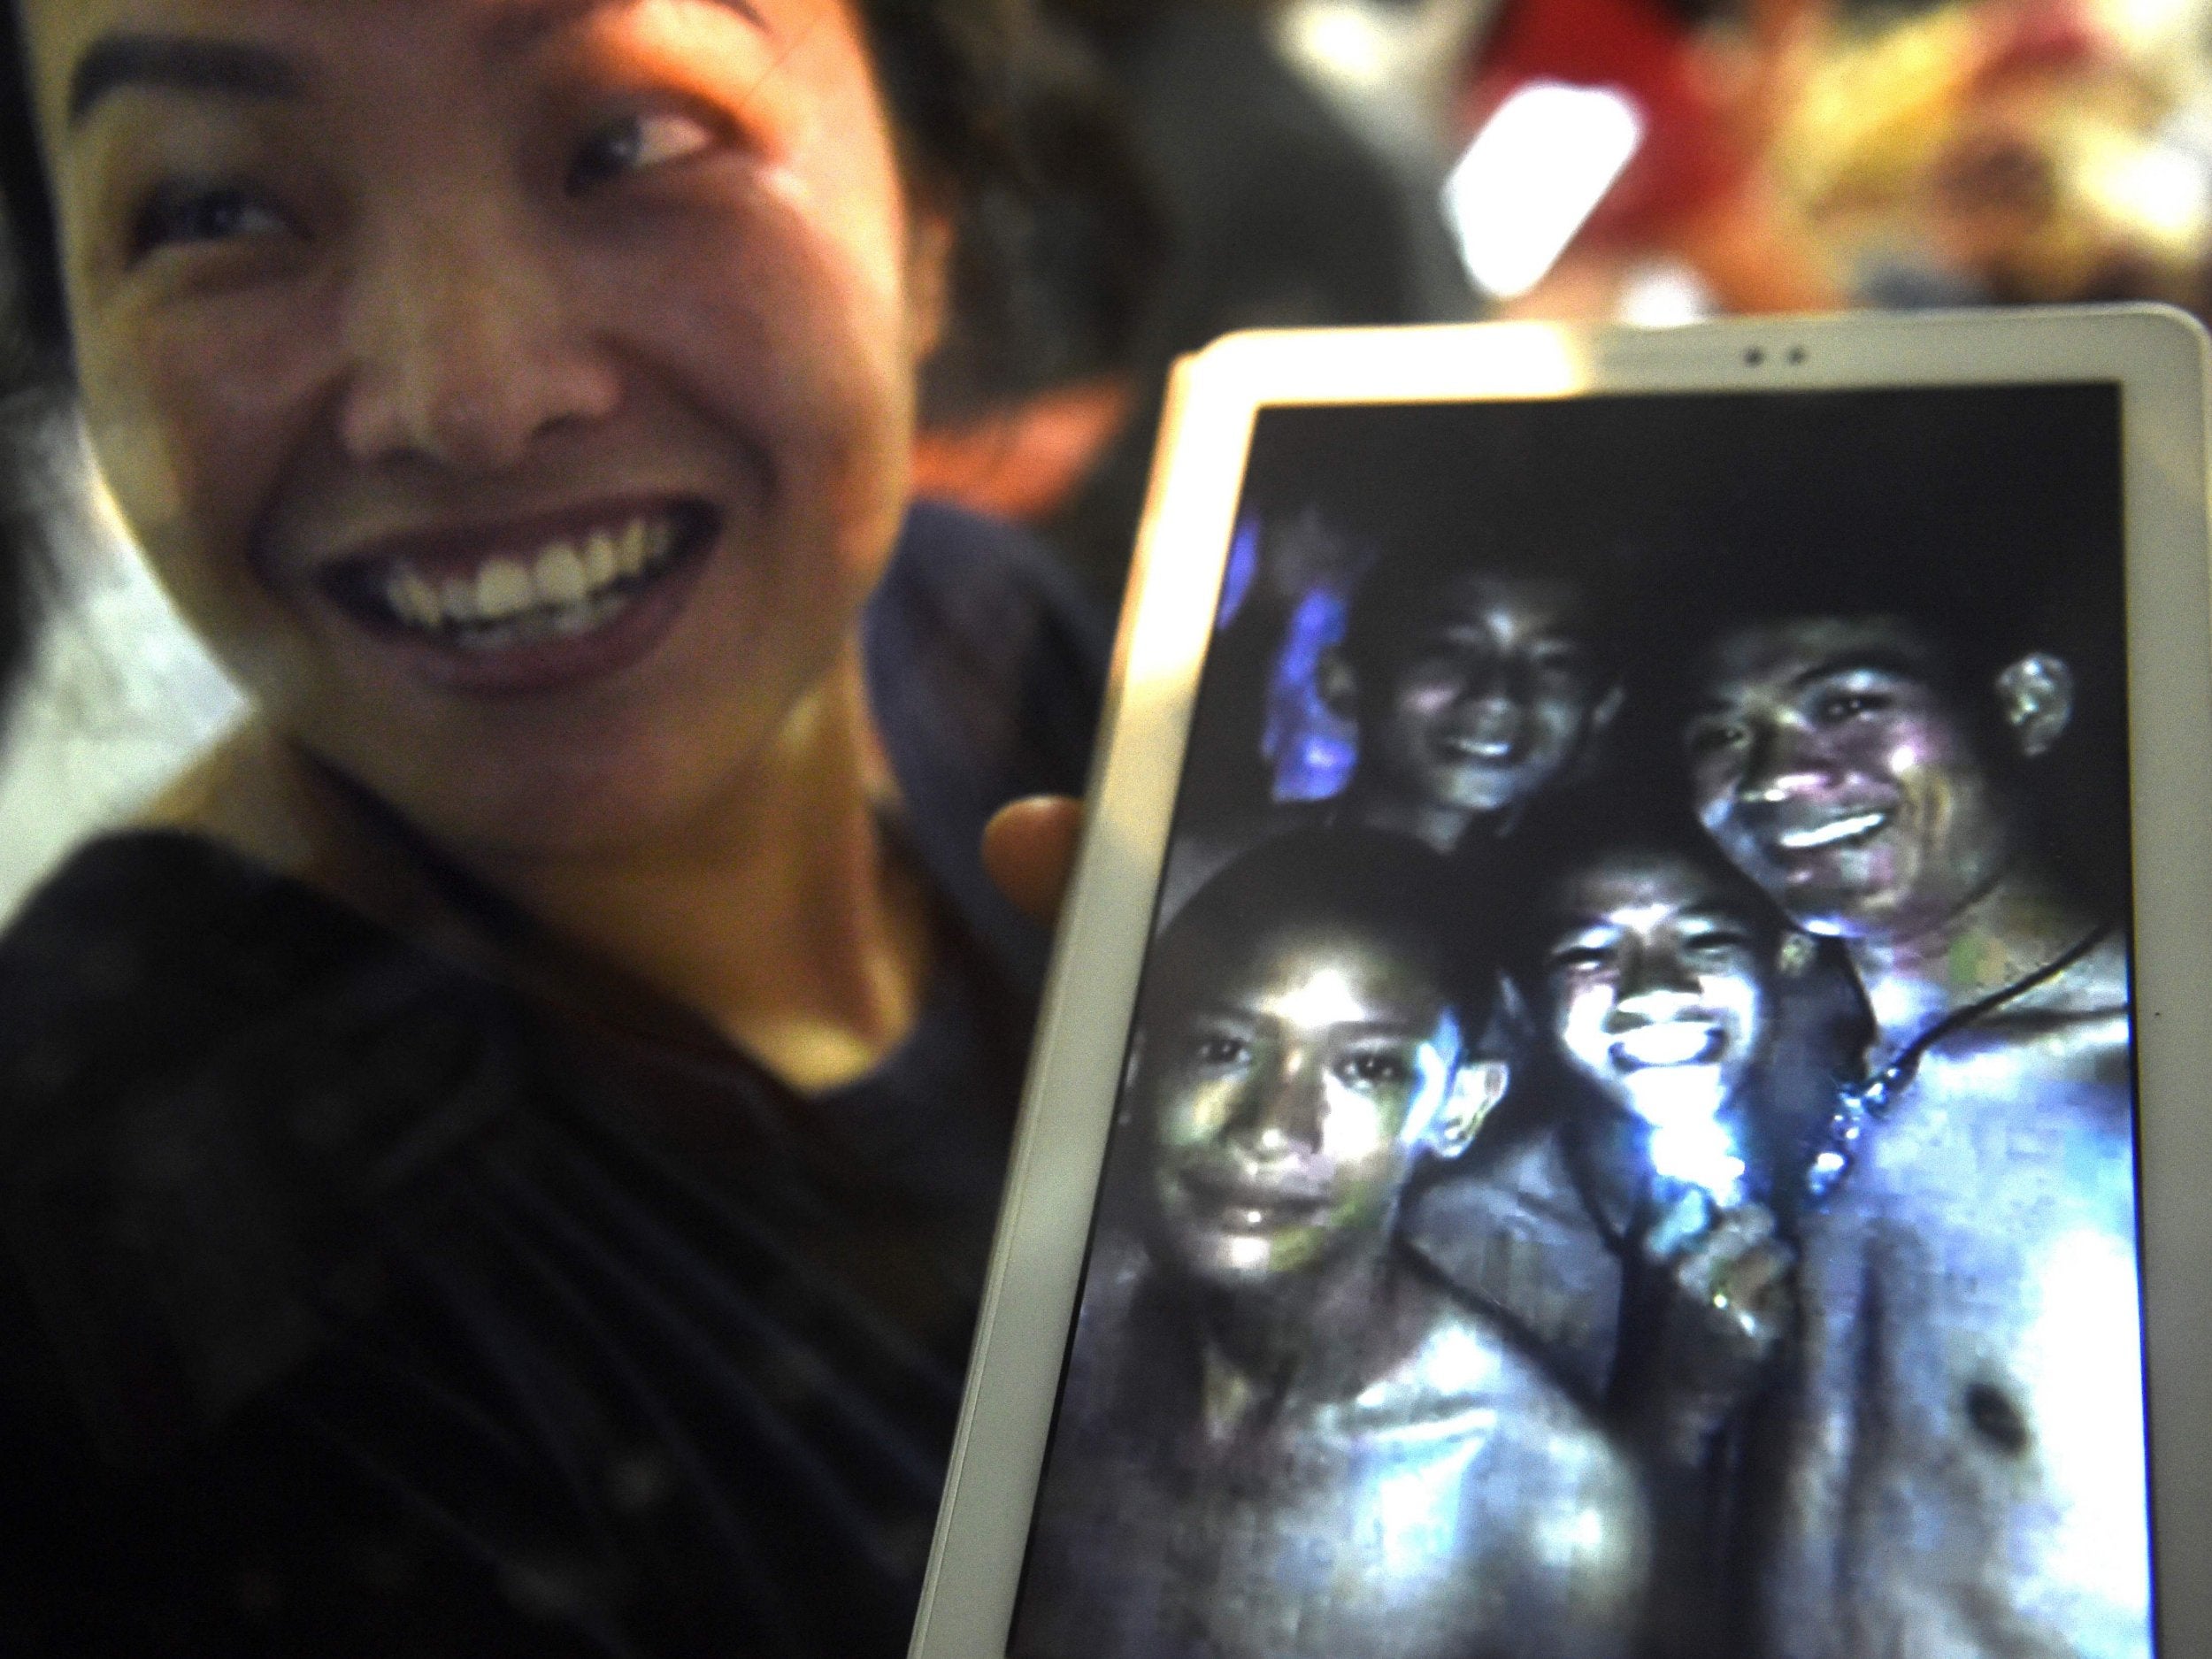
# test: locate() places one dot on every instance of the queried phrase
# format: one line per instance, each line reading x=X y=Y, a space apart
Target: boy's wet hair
x=1402 y=594
x=1370 y=883
x=1604 y=826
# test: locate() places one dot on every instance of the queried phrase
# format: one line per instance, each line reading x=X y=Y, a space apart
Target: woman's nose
x=465 y=347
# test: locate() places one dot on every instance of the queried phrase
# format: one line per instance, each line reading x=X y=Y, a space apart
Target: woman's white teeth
x=503 y=589
x=562 y=590
x=413 y=599
x=560 y=578
x=600 y=562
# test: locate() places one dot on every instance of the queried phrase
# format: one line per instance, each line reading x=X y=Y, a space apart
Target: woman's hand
x=1029 y=850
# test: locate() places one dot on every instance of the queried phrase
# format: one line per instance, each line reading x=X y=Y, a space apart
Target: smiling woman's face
x=515 y=394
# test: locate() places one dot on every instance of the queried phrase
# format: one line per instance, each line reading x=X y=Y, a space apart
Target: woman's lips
x=513 y=613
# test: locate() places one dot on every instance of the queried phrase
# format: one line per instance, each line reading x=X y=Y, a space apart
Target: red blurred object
x=2042 y=37
x=1689 y=159
x=1024 y=461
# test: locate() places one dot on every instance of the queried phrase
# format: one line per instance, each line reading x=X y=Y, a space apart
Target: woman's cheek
x=195 y=409
x=156 y=464
x=766 y=322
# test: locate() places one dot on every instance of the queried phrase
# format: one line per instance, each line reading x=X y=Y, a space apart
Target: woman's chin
x=511 y=811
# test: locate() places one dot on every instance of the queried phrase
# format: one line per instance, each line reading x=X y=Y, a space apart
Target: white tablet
x=1626 y=1068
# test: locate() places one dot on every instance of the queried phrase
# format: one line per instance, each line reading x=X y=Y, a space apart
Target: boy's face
x=1287 y=1097
x=1833 y=769
x=1657 y=987
x=1492 y=698
x=515 y=394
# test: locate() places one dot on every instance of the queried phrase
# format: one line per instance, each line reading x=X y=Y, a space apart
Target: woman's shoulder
x=154 y=916
x=208 y=1075
x=984 y=568
x=156 y=937
x=978 y=617
x=985 y=668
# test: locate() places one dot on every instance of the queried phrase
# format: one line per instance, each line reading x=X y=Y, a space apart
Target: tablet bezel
x=2158 y=358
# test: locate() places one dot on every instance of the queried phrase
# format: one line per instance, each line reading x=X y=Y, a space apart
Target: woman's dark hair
x=36 y=350
x=1060 y=233
x=28 y=419
x=32 y=385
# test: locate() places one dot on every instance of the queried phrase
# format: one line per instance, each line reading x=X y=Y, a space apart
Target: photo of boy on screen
x=1971 y=1368
x=1480 y=681
x=1285 y=1440
x=1802 y=1197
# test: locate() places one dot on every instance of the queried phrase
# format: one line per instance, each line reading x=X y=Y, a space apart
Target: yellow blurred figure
x=2005 y=152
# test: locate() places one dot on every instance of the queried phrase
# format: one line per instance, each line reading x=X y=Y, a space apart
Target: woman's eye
x=1718 y=943
x=635 y=144
x=1376 y=1071
x=177 y=215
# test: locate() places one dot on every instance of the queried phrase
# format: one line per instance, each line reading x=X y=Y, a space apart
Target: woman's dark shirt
x=359 y=1303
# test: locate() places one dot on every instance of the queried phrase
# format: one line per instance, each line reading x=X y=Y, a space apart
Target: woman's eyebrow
x=235 y=69
x=520 y=28
x=178 y=63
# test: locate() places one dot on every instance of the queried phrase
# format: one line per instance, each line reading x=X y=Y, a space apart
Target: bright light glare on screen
x=1325 y=998
x=1417 y=1508
x=1702 y=1153
x=1532 y=175
x=2082 y=1362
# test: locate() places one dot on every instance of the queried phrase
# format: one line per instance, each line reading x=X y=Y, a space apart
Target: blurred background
x=1318 y=162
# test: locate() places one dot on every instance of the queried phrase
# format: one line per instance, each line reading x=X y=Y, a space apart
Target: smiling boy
x=1962 y=1469
x=1280 y=1437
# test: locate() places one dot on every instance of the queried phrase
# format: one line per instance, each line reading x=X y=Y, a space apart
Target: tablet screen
x=1627 y=1144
